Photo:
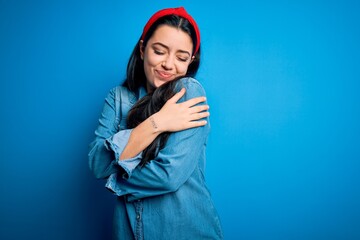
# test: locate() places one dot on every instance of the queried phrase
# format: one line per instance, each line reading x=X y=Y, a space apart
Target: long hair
x=154 y=101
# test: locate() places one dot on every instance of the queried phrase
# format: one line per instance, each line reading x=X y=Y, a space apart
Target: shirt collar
x=142 y=92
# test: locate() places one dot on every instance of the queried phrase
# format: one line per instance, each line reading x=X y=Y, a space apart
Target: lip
x=164 y=75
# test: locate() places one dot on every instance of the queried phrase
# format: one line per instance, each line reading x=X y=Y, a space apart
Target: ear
x=141 y=46
x=192 y=59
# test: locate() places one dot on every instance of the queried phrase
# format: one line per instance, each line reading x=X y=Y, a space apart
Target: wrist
x=154 y=122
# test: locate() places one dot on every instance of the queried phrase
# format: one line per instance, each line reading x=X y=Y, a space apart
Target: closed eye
x=158 y=52
x=182 y=59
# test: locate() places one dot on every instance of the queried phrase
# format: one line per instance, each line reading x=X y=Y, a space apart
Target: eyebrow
x=164 y=46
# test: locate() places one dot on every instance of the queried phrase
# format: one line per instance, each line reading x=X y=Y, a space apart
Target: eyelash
x=161 y=53
x=158 y=52
x=182 y=59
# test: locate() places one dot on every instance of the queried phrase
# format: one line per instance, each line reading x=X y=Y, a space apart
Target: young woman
x=151 y=139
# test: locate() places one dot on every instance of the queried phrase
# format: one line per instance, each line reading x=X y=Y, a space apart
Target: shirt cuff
x=117 y=144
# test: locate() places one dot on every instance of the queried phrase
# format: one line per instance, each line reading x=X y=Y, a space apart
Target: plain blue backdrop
x=282 y=80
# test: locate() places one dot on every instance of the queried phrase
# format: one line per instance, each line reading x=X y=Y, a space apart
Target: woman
x=150 y=143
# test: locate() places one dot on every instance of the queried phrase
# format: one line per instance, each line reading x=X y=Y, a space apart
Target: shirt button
x=138 y=217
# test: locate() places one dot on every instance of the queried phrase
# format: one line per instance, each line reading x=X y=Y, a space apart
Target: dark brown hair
x=156 y=99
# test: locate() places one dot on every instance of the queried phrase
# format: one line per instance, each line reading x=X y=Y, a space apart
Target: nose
x=168 y=63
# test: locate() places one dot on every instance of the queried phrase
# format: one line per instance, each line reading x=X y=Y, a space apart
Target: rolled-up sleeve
x=109 y=143
x=117 y=144
x=173 y=165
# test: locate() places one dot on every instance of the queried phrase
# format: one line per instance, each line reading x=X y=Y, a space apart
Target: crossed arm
x=173 y=165
x=172 y=117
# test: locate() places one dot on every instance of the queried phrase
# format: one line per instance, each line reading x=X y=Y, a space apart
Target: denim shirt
x=168 y=197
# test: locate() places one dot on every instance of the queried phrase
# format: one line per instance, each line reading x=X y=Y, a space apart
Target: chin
x=159 y=83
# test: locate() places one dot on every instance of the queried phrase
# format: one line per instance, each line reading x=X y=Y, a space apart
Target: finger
x=177 y=96
x=194 y=101
x=197 y=116
x=194 y=124
x=197 y=109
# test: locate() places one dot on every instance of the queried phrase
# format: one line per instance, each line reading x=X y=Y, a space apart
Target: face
x=167 y=55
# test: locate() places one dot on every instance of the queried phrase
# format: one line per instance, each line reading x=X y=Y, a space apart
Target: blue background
x=282 y=81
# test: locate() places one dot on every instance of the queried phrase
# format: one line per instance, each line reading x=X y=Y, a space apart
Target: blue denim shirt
x=168 y=197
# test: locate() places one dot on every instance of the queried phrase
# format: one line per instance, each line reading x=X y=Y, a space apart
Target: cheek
x=147 y=70
x=149 y=63
x=182 y=68
x=152 y=59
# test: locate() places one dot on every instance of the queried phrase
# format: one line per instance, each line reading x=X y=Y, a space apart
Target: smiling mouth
x=164 y=75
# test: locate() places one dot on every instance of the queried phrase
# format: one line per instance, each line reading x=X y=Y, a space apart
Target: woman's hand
x=174 y=116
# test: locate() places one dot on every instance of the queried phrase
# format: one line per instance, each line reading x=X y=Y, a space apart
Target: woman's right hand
x=174 y=116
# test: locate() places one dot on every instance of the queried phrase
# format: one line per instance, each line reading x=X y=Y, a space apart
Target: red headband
x=173 y=11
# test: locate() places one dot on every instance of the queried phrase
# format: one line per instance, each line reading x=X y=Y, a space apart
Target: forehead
x=172 y=37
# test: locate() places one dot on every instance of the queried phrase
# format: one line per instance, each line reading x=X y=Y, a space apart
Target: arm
x=172 y=117
x=173 y=165
x=109 y=143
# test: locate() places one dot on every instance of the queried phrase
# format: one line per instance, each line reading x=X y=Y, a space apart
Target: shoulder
x=118 y=88
x=188 y=82
x=193 y=87
x=121 y=93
